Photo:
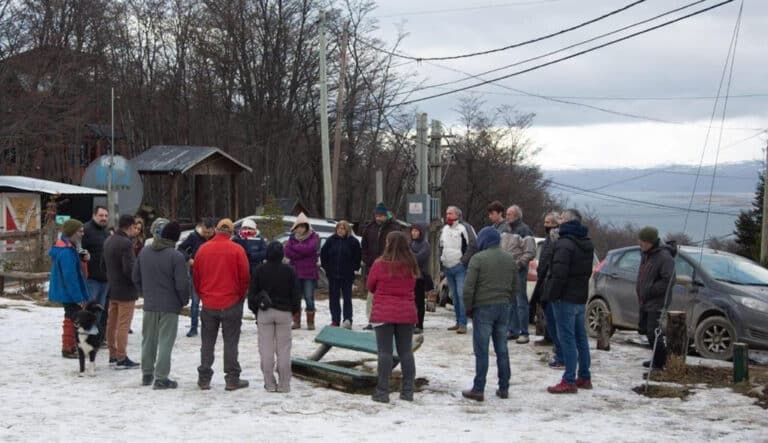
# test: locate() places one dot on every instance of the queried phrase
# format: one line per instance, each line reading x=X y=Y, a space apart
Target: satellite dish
x=126 y=181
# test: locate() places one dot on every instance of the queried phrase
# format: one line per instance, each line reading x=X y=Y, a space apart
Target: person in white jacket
x=457 y=244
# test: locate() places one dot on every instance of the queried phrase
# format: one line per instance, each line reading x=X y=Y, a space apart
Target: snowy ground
x=43 y=399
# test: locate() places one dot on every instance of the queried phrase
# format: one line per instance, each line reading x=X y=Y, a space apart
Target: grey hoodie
x=161 y=275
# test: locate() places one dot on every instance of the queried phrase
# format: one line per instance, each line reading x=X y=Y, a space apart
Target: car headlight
x=753 y=303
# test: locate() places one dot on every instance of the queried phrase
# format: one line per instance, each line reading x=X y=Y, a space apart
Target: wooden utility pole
x=325 y=154
x=339 y=115
x=764 y=229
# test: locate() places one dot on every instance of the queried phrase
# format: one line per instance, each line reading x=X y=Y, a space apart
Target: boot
x=68 y=339
x=296 y=320
x=310 y=321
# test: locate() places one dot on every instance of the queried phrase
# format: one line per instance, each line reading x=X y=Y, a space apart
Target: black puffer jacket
x=657 y=269
x=340 y=257
x=278 y=280
x=571 y=265
x=93 y=241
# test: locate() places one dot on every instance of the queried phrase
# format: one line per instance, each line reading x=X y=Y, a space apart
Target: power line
x=603 y=97
x=515 y=45
x=469 y=8
x=561 y=59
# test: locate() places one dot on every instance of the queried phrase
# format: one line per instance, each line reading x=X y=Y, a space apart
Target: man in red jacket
x=221 y=278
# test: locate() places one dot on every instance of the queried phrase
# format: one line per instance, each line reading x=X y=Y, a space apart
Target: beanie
x=157 y=226
x=380 y=209
x=648 y=234
x=488 y=237
x=171 y=231
x=70 y=227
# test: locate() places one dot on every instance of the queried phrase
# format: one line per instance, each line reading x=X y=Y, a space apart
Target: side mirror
x=684 y=280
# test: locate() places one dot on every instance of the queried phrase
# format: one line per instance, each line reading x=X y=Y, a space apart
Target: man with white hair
x=518 y=241
x=457 y=244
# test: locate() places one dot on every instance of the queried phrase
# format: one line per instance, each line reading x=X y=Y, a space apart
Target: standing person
x=539 y=298
x=519 y=242
x=457 y=244
x=161 y=276
x=95 y=234
x=119 y=259
x=495 y=212
x=189 y=247
x=278 y=281
x=340 y=258
x=421 y=249
x=156 y=230
x=67 y=282
x=488 y=290
x=657 y=268
x=249 y=237
x=139 y=238
x=221 y=277
x=568 y=288
x=393 y=314
x=372 y=246
x=302 y=249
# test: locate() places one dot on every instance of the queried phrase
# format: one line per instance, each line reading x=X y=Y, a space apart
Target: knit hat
x=248 y=223
x=70 y=227
x=648 y=234
x=171 y=231
x=381 y=209
x=157 y=227
x=487 y=237
x=225 y=223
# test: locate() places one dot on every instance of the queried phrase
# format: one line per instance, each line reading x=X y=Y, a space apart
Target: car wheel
x=595 y=307
x=714 y=338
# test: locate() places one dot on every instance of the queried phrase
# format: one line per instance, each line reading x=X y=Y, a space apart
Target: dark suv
x=724 y=296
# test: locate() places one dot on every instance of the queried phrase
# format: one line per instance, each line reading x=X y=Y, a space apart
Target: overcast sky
x=684 y=59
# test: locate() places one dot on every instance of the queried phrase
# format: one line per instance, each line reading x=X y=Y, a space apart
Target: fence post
x=677 y=334
x=740 y=362
x=604 y=331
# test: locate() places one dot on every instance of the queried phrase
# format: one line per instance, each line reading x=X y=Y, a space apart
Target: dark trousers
x=230 y=320
x=403 y=335
x=339 y=288
x=650 y=320
x=423 y=284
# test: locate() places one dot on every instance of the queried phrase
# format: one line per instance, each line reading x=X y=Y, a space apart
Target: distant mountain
x=738 y=177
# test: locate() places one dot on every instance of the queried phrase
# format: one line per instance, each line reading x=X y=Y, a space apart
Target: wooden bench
x=359 y=379
x=23 y=276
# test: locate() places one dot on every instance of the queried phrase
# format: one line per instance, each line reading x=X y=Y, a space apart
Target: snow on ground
x=43 y=399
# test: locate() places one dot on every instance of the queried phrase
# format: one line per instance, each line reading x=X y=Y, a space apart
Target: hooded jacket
x=657 y=268
x=571 y=267
x=393 y=293
x=303 y=253
x=161 y=275
x=340 y=257
x=221 y=273
x=67 y=281
x=421 y=249
x=488 y=278
x=93 y=241
x=375 y=238
x=278 y=280
x=255 y=248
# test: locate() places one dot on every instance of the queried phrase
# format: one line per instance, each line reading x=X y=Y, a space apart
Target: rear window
x=629 y=261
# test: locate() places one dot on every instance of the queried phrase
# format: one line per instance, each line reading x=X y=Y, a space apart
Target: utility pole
x=764 y=230
x=339 y=116
x=110 y=166
x=422 y=179
x=435 y=190
x=326 y=156
x=379 y=187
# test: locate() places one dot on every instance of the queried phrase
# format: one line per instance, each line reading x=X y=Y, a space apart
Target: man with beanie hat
x=654 y=278
x=67 y=282
x=156 y=230
x=488 y=291
x=372 y=246
x=161 y=276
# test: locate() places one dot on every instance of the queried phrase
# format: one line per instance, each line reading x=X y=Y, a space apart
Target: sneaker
x=126 y=363
x=511 y=336
x=647 y=364
x=502 y=393
x=147 y=379
x=368 y=327
x=407 y=396
x=418 y=331
x=523 y=339
x=69 y=354
x=380 y=398
x=472 y=395
x=584 y=383
x=204 y=385
x=563 y=388
x=556 y=364
x=542 y=342
x=235 y=385
x=346 y=324
x=461 y=330
x=165 y=384
x=454 y=328
x=112 y=361
x=192 y=333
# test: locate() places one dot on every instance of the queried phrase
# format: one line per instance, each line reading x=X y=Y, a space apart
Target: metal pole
x=422 y=179
x=379 y=187
x=339 y=117
x=110 y=165
x=764 y=228
x=326 y=155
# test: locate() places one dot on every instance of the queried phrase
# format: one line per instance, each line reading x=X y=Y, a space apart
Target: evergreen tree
x=749 y=223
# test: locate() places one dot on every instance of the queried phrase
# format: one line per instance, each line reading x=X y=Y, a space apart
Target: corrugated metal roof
x=176 y=158
x=21 y=183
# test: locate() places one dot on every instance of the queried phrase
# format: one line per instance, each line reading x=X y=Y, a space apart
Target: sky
x=676 y=70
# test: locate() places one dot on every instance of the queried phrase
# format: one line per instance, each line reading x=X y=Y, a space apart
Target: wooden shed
x=195 y=163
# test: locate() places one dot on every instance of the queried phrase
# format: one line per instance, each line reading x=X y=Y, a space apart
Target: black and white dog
x=88 y=336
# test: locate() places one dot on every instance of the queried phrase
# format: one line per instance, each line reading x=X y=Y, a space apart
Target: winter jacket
x=191 y=244
x=393 y=294
x=67 y=281
x=303 y=255
x=457 y=244
x=542 y=269
x=255 y=248
x=93 y=241
x=278 y=280
x=161 y=275
x=221 y=273
x=571 y=265
x=520 y=243
x=421 y=250
x=119 y=258
x=488 y=279
x=657 y=268
x=340 y=257
x=375 y=238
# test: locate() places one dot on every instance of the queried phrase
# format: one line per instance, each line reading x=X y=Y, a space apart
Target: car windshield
x=736 y=270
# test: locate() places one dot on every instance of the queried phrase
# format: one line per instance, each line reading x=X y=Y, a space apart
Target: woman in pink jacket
x=391 y=280
x=303 y=249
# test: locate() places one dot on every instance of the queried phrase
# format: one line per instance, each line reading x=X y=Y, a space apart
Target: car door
x=683 y=297
x=622 y=296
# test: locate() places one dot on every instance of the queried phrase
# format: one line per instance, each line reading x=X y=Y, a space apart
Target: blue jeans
x=455 y=277
x=337 y=289
x=490 y=322
x=572 y=334
x=308 y=288
x=549 y=313
x=97 y=291
x=194 y=305
x=518 y=314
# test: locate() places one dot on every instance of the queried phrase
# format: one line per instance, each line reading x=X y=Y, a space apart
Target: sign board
x=126 y=181
x=418 y=208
